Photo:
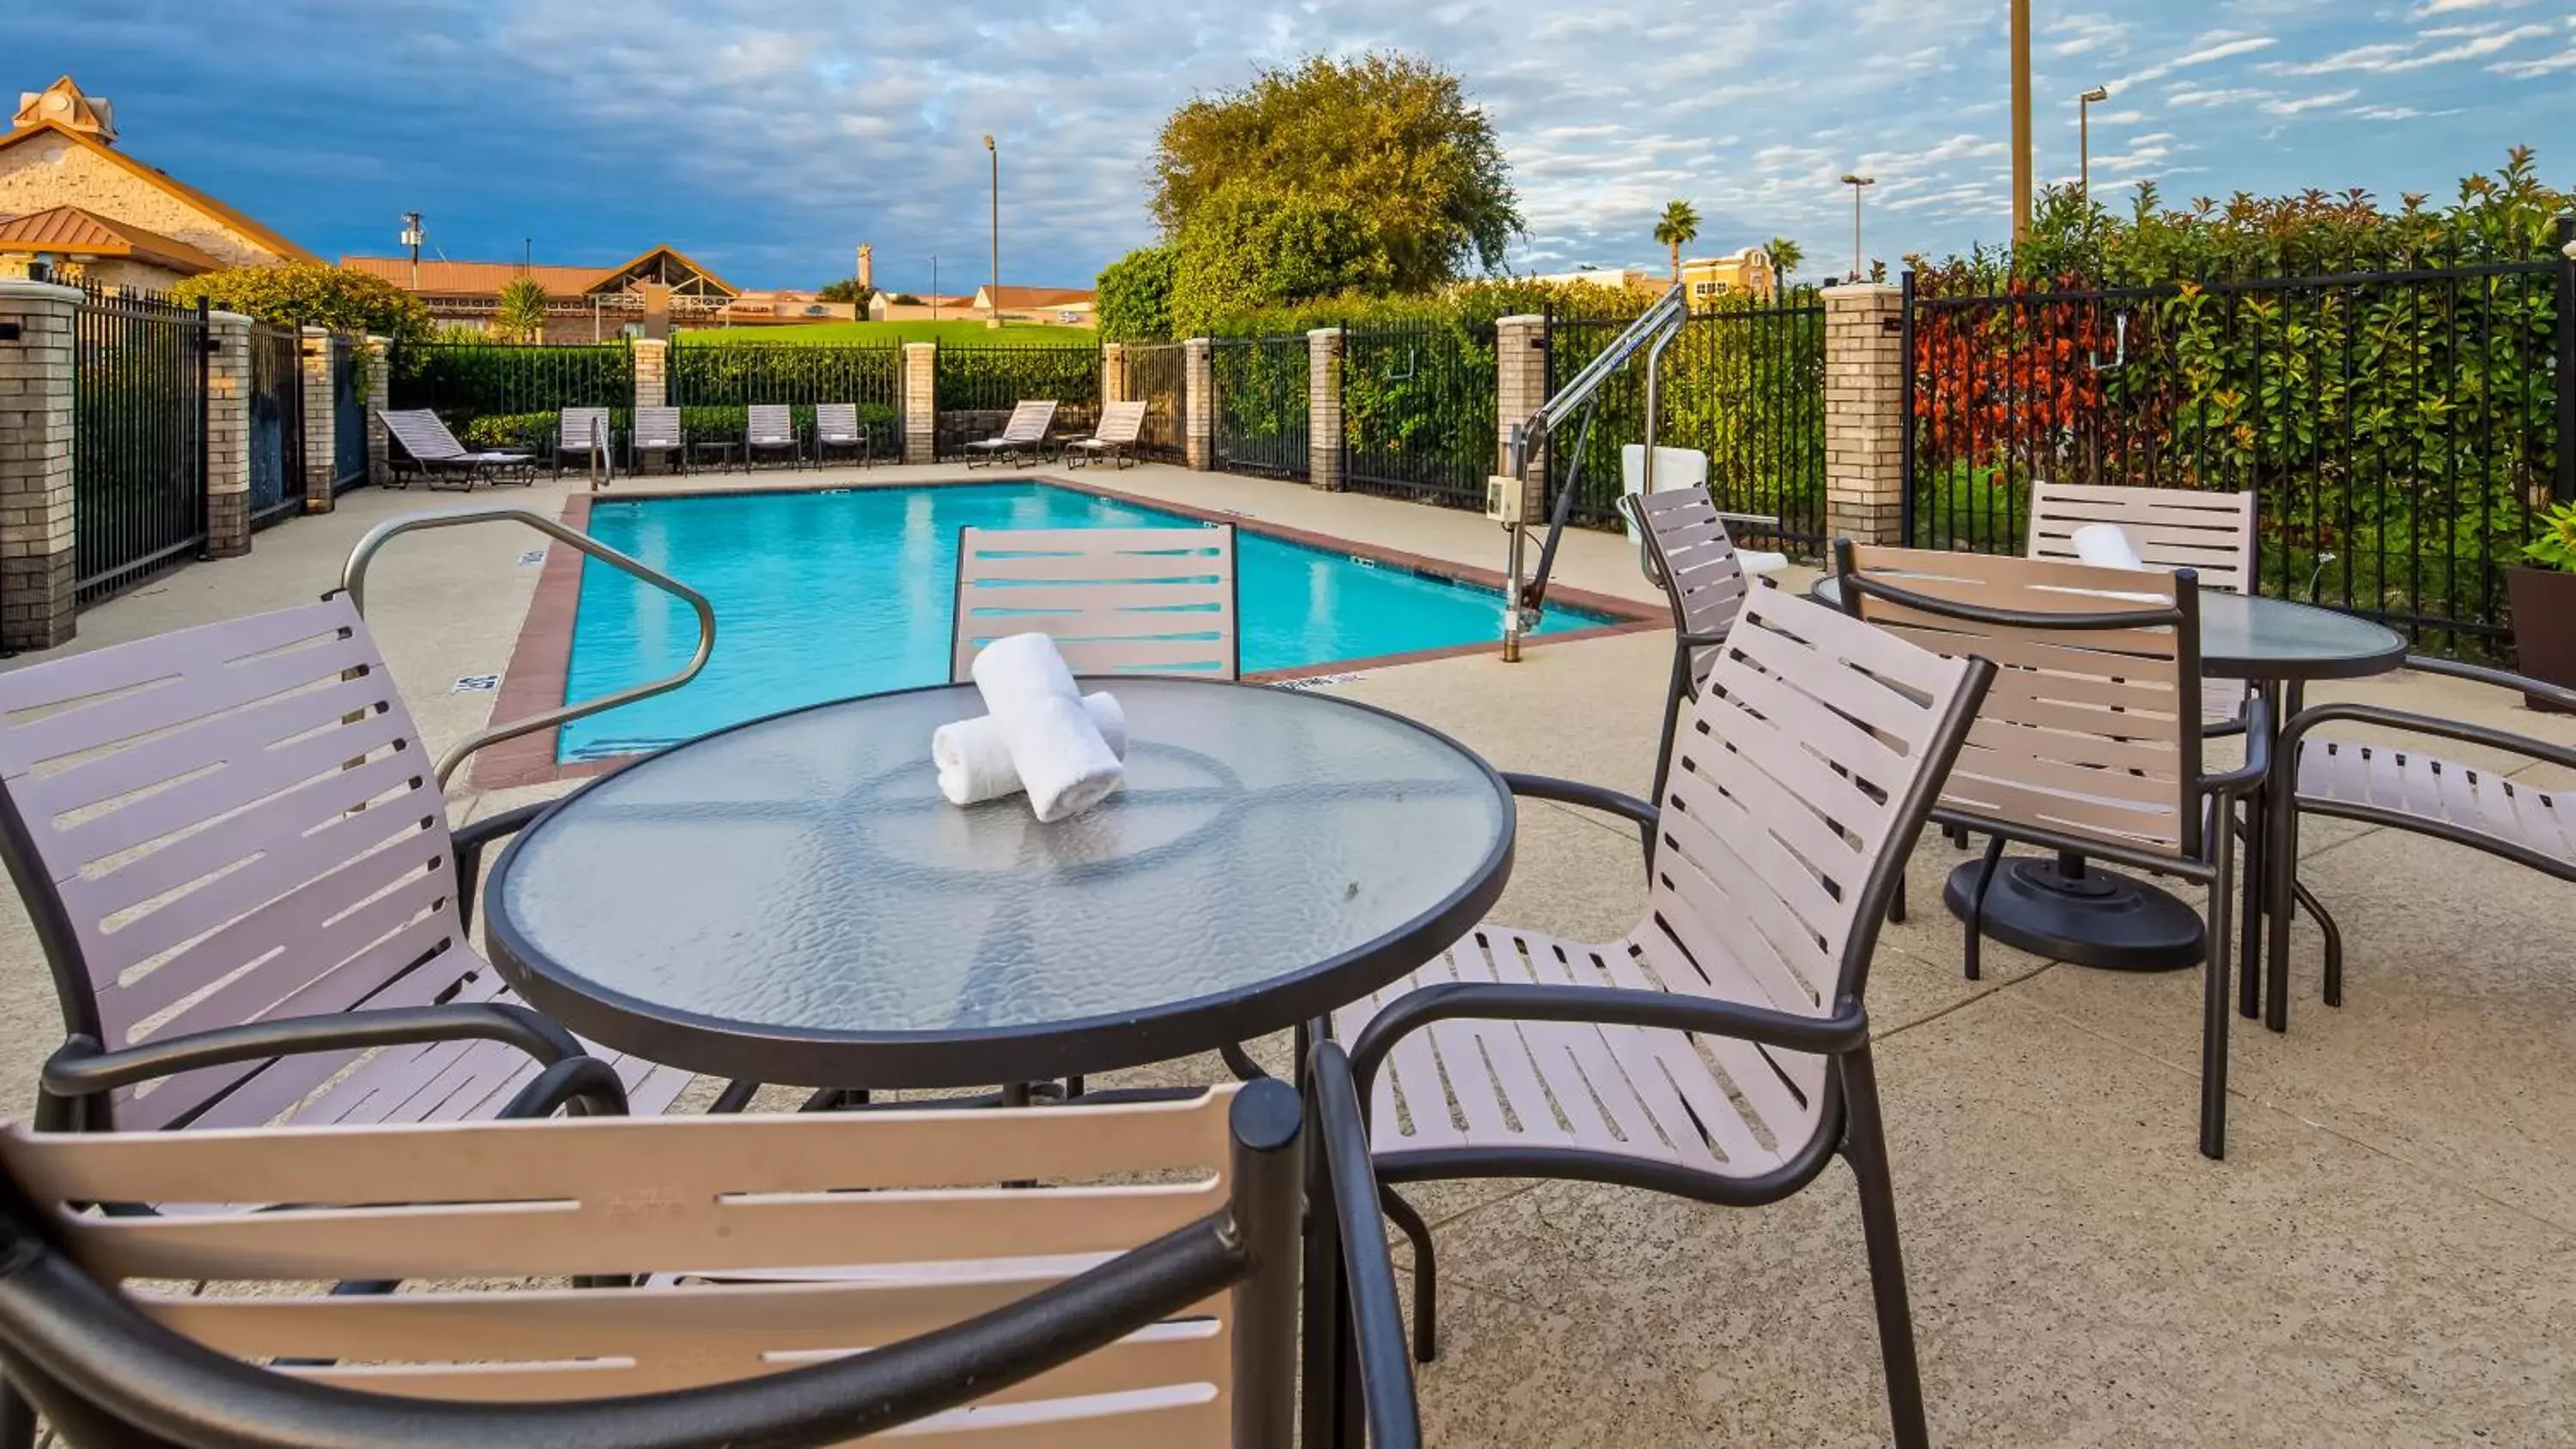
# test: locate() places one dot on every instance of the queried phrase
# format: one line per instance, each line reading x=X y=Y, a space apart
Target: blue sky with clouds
x=767 y=138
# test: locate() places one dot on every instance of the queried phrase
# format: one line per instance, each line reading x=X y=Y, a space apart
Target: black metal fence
x=2400 y=429
x=1260 y=395
x=1418 y=406
x=276 y=424
x=498 y=394
x=977 y=384
x=1158 y=376
x=1744 y=384
x=139 y=375
x=712 y=383
x=349 y=404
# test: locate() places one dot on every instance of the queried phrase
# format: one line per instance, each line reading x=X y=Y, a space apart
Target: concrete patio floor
x=2387 y=1256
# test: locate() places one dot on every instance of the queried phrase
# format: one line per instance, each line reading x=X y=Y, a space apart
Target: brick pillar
x=1864 y=414
x=921 y=402
x=1198 y=403
x=1324 y=408
x=1113 y=373
x=378 y=368
x=321 y=421
x=228 y=436
x=37 y=598
x=1520 y=381
x=652 y=372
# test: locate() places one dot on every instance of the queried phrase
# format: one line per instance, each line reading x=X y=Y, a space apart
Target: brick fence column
x=228 y=435
x=921 y=402
x=1864 y=414
x=1113 y=373
x=378 y=368
x=652 y=372
x=1198 y=403
x=1520 y=381
x=321 y=422
x=37 y=597
x=1324 y=408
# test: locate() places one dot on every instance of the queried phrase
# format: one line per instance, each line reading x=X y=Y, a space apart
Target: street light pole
x=2084 y=105
x=2021 y=158
x=1858 y=183
x=934 y=289
x=993 y=307
x=411 y=238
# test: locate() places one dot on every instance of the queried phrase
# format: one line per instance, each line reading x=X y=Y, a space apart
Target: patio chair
x=1703 y=578
x=422 y=446
x=658 y=430
x=1678 y=470
x=837 y=425
x=2403 y=788
x=1116 y=600
x=1721 y=1051
x=582 y=433
x=1121 y=423
x=2081 y=747
x=770 y=428
x=239 y=864
x=1093 y=1311
x=1020 y=440
x=2212 y=534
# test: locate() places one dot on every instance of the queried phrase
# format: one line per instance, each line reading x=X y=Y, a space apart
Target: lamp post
x=411 y=238
x=993 y=307
x=1858 y=183
x=934 y=288
x=2021 y=159
x=2084 y=105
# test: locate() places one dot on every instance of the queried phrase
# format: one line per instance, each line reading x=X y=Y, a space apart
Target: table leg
x=2249 y=990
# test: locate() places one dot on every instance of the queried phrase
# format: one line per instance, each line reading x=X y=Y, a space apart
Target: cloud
x=2201 y=98
x=2398 y=57
x=2304 y=104
x=2559 y=64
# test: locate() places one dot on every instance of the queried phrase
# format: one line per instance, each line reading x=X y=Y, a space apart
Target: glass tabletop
x=798 y=883
x=2251 y=637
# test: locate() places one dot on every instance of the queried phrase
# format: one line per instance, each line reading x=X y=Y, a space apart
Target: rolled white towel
x=1021 y=668
x=975 y=763
x=1063 y=763
x=2104 y=545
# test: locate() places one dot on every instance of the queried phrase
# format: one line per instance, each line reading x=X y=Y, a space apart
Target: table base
x=2090 y=917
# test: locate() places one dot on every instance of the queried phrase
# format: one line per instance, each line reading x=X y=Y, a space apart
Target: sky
x=768 y=139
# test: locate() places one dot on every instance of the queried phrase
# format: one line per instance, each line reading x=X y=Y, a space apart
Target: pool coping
x=541 y=662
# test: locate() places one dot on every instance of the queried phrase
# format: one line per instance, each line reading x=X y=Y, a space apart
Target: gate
x=1157 y=376
x=139 y=374
x=1260 y=387
x=276 y=424
x=1418 y=409
x=348 y=415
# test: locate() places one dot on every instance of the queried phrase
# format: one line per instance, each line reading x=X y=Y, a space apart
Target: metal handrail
x=603 y=463
x=353 y=579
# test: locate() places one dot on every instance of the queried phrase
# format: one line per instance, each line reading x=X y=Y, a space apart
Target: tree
x=1786 y=256
x=520 y=315
x=847 y=289
x=1678 y=227
x=1136 y=295
x=309 y=294
x=1388 y=139
x=1240 y=252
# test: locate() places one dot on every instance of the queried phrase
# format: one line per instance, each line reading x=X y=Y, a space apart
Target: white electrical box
x=1514 y=500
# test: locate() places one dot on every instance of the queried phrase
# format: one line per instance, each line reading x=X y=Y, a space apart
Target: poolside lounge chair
x=837 y=425
x=1020 y=440
x=1114 y=439
x=770 y=428
x=657 y=430
x=422 y=446
x=1721 y=1051
x=228 y=946
x=2089 y=743
x=1116 y=600
x=1085 y=1313
x=583 y=433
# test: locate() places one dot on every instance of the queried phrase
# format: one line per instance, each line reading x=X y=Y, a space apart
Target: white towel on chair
x=2106 y=546
x=975 y=762
x=1063 y=762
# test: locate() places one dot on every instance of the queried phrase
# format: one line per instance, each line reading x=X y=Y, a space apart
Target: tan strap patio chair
x=583 y=433
x=422 y=445
x=1720 y=1051
x=2089 y=742
x=1022 y=436
x=1703 y=578
x=658 y=430
x=2212 y=534
x=1115 y=600
x=1114 y=1276
x=770 y=428
x=837 y=425
x=1121 y=423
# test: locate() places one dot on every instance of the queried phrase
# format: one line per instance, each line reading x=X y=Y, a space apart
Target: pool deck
x=2388 y=1255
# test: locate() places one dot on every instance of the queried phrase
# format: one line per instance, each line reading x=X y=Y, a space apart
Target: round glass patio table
x=791 y=901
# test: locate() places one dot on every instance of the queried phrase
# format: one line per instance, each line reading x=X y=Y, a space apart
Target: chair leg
x=1426 y=1274
x=1957 y=835
x=2334 y=941
x=1865 y=1146
x=2215 y=1007
x=735 y=1097
x=1240 y=1062
x=1896 y=903
x=1977 y=905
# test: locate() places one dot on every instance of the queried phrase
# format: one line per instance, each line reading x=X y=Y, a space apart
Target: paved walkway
x=2388 y=1256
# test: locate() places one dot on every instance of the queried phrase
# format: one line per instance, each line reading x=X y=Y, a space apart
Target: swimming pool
x=824 y=595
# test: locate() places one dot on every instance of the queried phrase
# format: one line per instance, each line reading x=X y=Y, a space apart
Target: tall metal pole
x=934 y=288
x=1860 y=255
x=2021 y=157
x=993 y=308
x=2084 y=135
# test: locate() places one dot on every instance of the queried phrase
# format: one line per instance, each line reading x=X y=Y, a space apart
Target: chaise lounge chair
x=771 y=428
x=1020 y=440
x=423 y=446
x=1114 y=439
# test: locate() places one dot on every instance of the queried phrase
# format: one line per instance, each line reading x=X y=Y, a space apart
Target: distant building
x=783 y=308
x=1708 y=278
x=102 y=218
x=1051 y=306
x=583 y=304
x=1616 y=279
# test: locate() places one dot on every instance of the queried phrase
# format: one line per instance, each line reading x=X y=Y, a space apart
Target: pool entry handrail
x=353 y=581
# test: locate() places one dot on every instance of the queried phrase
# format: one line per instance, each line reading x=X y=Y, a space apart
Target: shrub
x=1136 y=296
x=309 y=294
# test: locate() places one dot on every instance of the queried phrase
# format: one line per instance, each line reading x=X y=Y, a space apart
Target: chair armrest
x=1368 y=1273
x=1589 y=797
x=2296 y=731
x=2258 y=755
x=82 y=1067
x=2558 y=695
x=470 y=840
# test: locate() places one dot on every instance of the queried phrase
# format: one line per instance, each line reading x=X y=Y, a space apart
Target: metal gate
x=276 y=424
x=1260 y=386
x=348 y=415
x=1158 y=377
x=139 y=375
x=1418 y=412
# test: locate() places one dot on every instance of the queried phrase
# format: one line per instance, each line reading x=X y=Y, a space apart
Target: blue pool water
x=826 y=595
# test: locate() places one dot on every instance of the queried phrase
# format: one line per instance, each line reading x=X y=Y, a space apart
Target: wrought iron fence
x=1158 y=376
x=712 y=384
x=276 y=424
x=496 y=394
x=2399 y=429
x=1260 y=394
x=1418 y=407
x=348 y=414
x=1744 y=384
x=975 y=385
x=139 y=375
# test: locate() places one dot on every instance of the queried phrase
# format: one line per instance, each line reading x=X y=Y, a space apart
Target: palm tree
x=1678 y=228
x=1786 y=256
x=519 y=314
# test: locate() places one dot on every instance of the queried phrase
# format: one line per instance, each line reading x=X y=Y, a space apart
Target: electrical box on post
x=1514 y=500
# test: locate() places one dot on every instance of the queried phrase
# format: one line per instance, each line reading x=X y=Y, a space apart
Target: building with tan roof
x=583 y=304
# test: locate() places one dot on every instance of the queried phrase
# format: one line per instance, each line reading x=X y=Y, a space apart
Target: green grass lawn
x=863 y=334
